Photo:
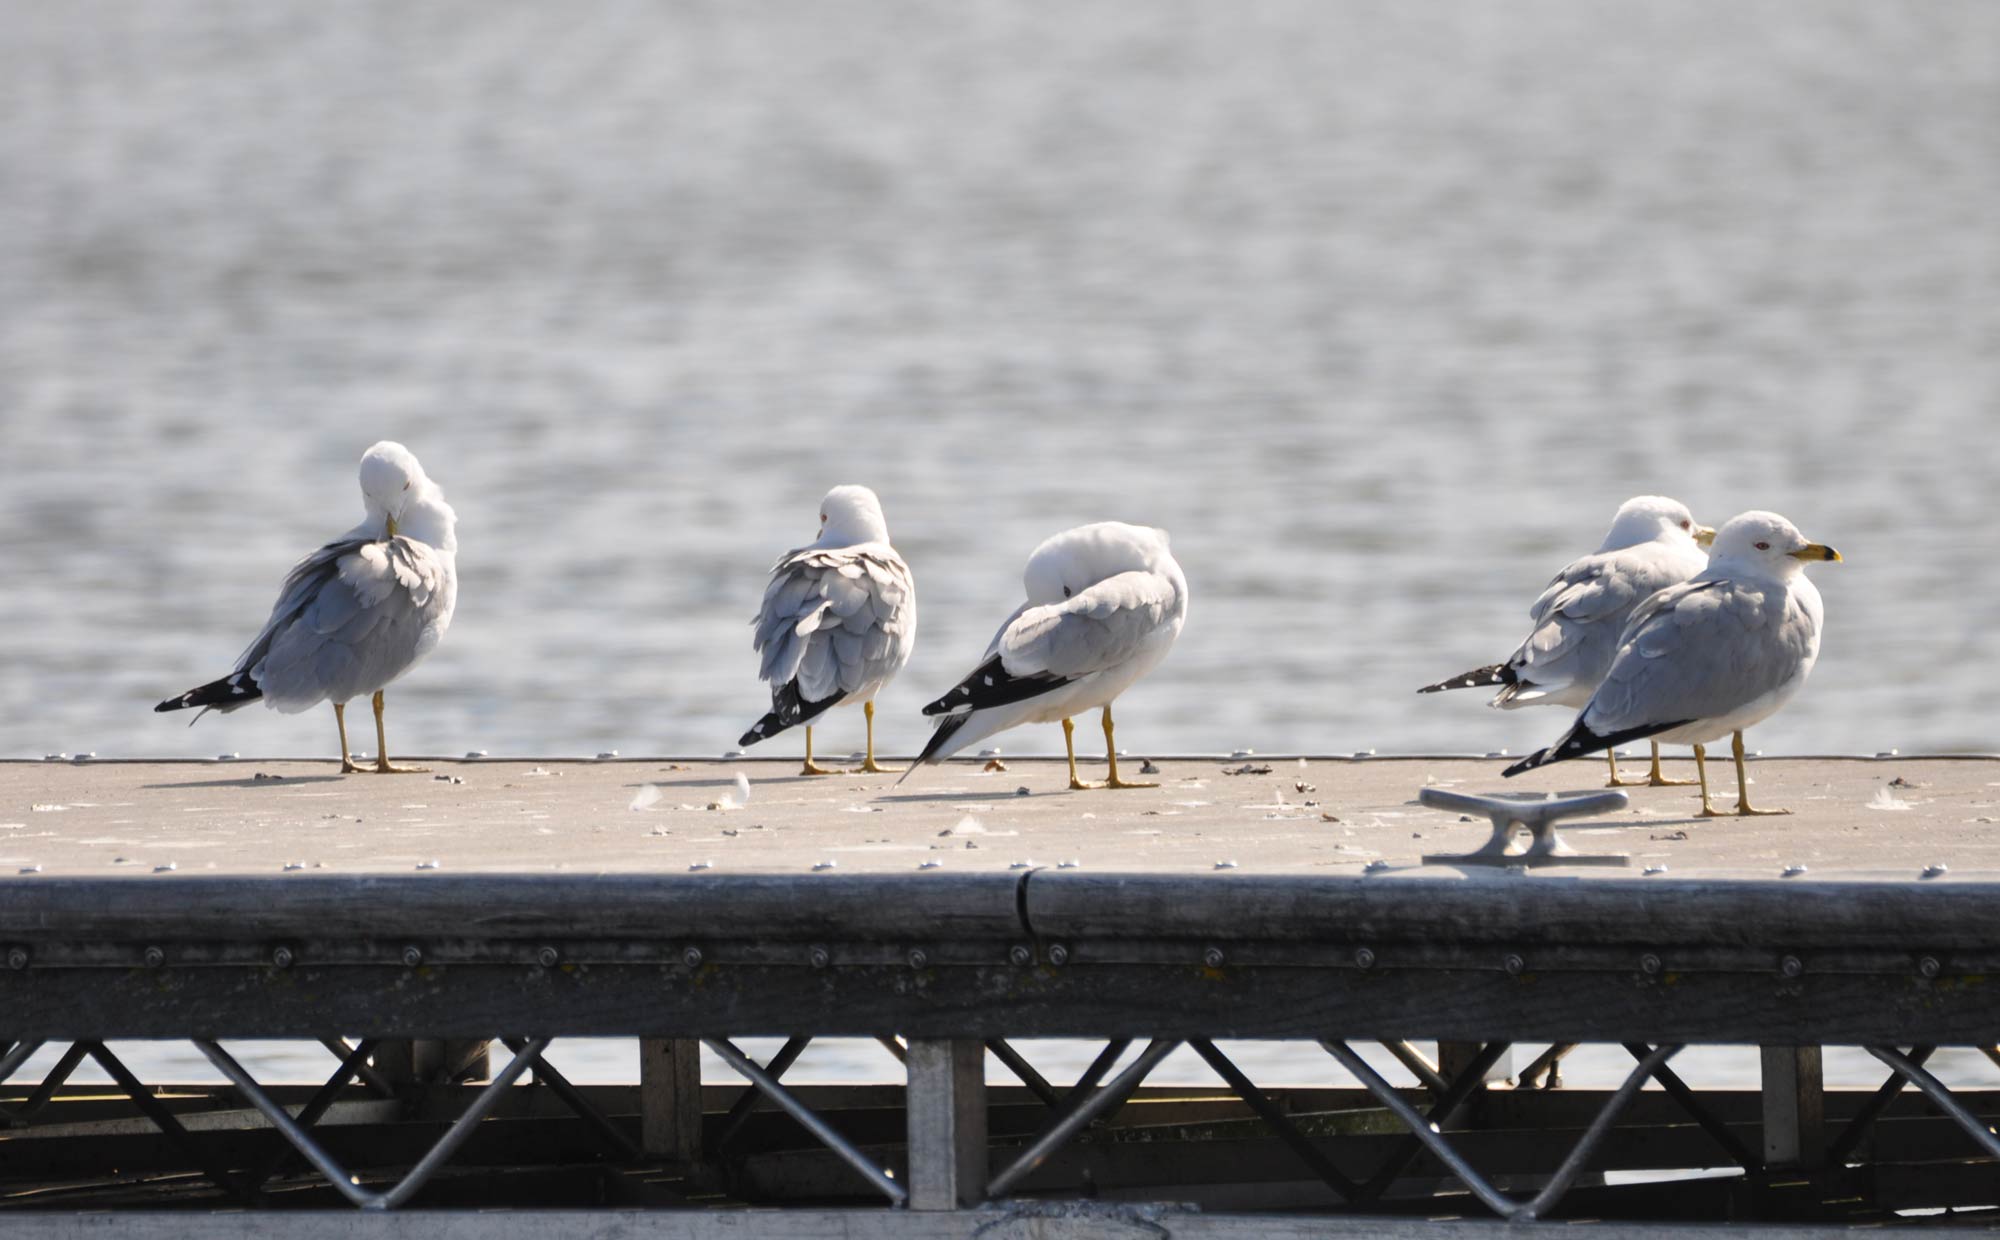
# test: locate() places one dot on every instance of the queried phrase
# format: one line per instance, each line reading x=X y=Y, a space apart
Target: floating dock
x=437 y=931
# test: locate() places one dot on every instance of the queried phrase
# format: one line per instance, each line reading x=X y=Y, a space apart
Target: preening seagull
x=838 y=622
x=357 y=613
x=1653 y=543
x=1105 y=603
x=1712 y=656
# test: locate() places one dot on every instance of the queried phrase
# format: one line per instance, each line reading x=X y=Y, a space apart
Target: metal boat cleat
x=1534 y=812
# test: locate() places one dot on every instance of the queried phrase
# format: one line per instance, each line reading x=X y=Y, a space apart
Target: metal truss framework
x=1073 y=1112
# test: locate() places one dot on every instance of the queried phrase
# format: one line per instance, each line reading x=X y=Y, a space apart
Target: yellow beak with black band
x=1816 y=551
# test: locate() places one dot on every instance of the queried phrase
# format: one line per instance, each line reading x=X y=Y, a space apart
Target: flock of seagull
x=1651 y=638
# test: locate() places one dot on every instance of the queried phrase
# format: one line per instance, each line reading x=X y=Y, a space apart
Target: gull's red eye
x=1763 y=546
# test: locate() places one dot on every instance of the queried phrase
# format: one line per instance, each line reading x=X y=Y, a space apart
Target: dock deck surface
x=1854 y=819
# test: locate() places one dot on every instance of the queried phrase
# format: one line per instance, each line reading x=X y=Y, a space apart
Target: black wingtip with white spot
x=991 y=684
x=788 y=709
x=1478 y=677
x=233 y=690
x=1580 y=740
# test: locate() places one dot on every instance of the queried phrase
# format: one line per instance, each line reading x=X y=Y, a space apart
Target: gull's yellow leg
x=347 y=766
x=1657 y=780
x=1701 y=774
x=811 y=767
x=382 y=764
x=869 y=764
x=1611 y=756
x=1069 y=745
x=1111 y=756
x=1743 y=809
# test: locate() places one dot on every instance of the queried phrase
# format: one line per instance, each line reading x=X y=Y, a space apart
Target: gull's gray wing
x=351 y=617
x=836 y=620
x=1579 y=617
x=1100 y=628
x=1702 y=650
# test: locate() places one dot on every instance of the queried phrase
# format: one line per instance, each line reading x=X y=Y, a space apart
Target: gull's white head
x=850 y=515
x=1766 y=544
x=1080 y=558
x=1650 y=518
x=399 y=495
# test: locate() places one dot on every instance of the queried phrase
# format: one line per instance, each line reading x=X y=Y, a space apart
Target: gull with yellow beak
x=357 y=613
x=1711 y=657
x=1653 y=543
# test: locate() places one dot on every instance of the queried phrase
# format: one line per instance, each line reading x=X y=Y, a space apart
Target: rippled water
x=1380 y=309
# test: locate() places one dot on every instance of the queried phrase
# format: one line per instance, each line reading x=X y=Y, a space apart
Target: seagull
x=357 y=613
x=1653 y=543
x=1712 y=656
x=838 y=622
x=1105 y=603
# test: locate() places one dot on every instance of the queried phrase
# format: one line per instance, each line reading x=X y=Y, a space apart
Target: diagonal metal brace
x=455 y=1136
x=1500 y=1203
x=1079 y=1117
x=1470 y=1079
x=1016 y=1063
x=1533 y=812
x=819 y=1128
x=1940 y=1094
x=1871 y=1110
x=573 y=1098
x=1276 y=1120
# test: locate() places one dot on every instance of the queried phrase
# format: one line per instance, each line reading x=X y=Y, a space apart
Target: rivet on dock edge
x=691 y=957
x=548 y=957
x=1212 y=957
x=412 y=956
x=282 y=957
x=1791 y=966
x=919 y=958
x=1058 y=955
x=1650 y=965
x=1513 y=963
x=17 y=958
x=1929 y=966
x=819 y=957
x=1364 y=958
x=1020 y=954
x=154 y=957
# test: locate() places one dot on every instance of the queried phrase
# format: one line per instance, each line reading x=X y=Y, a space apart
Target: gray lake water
x=1380 y=309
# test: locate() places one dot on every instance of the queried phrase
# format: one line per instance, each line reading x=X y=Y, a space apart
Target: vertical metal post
x=945 y=1103
x=670 y=1098
x=1794 y=1107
